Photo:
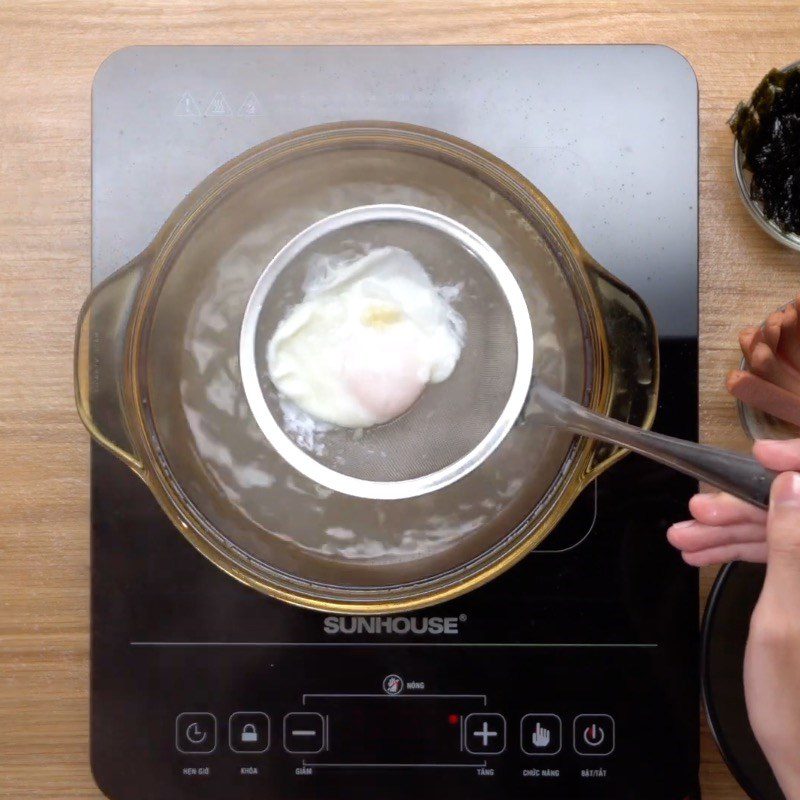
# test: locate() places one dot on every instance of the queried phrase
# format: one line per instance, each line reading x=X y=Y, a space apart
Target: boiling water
x=217 y=452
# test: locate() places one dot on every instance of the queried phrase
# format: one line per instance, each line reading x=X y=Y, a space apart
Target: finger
x=692 y=536
x=783 y=537
x=765 y=363
x=789 y=345
x=753 y=390
x=780 y=455
x=747 y=340
x=772 y=329
x=724 y=509
x=747 y=551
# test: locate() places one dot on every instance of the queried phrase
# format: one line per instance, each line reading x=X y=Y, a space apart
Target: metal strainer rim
x=410 y=487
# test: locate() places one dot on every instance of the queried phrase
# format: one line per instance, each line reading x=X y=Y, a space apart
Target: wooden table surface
x=49 y=51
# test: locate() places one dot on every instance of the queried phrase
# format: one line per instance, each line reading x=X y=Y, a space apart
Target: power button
x=594 y=734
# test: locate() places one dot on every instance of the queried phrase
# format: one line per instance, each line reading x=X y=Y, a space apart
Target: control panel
x=397 y=728
x=478 y=732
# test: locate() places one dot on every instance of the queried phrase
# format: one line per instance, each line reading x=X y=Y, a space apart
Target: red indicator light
x=453 y=719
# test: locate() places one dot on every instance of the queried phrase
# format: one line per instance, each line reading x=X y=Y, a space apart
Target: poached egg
x=365 y=341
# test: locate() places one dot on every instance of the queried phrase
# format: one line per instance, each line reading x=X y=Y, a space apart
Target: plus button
x=485 y=733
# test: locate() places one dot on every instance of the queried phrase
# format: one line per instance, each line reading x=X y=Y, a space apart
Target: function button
x=485 y=734
x=540 y=734
x=195 y=732
x=594 y=735
x=303 y=732
x=248 y=732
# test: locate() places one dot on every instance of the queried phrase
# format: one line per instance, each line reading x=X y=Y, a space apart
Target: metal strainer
x=455 y=425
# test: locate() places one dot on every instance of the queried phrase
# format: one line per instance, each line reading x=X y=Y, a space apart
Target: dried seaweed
x=768 y=131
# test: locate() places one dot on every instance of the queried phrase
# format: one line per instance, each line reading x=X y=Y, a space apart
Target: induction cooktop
x=573 y=675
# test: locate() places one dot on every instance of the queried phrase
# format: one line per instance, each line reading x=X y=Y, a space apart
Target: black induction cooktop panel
x=573 y=675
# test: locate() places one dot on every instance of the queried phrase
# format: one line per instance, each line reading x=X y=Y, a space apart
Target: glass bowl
x=758 y=424
x=756 y=210
x=159 y=383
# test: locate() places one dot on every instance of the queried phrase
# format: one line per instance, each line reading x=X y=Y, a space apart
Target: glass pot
x=158 y=380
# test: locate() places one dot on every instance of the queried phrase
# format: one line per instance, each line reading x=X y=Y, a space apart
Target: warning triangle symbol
x=187 y=106
x=250 y=107
x=218 y=107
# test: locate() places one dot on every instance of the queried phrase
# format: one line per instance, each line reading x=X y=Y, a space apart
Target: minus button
x=303 y=732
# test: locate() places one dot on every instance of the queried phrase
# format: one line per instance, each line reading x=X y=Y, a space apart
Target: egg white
x=367 y=338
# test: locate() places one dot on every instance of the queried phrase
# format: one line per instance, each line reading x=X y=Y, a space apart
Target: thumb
x=783 y=535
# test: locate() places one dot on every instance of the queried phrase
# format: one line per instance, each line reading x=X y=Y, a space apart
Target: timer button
x=594 y=735
x=196 y=732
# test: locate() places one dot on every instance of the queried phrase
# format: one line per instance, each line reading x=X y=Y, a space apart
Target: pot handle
x=633 y=363
x=100 y=349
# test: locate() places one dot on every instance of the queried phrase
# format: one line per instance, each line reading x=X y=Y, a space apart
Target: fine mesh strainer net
x=455 y=424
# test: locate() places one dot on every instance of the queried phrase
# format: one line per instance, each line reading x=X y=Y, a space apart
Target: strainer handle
x=737 y=474
x=100 y=344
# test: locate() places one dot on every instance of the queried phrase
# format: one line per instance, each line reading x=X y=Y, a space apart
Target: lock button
x=248 y=732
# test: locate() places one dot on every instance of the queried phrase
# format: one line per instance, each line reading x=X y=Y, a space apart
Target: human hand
x=727 y=529
x=772 y=657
